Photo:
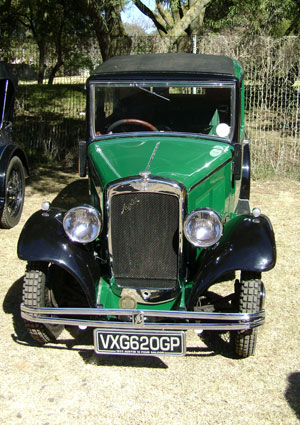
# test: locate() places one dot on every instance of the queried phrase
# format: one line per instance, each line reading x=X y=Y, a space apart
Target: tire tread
x=249 y=302
x=35 y=295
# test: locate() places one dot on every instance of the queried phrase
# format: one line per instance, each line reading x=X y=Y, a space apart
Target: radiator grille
x=145 y=239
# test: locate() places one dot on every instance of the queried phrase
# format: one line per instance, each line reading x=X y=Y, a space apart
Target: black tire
x=14 y=194
x=249 y=302
x=37 y=293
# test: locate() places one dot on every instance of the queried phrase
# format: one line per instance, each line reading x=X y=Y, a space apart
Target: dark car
x=13 y=161
x=169 y=242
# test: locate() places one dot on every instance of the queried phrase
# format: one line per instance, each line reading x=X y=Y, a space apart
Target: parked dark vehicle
x=13 y=162
x=169 y=223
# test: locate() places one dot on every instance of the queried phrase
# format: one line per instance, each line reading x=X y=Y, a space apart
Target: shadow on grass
x=47 y=179
x=71 y=190
x=292 y=393
x=11 y=305
x=219 y=343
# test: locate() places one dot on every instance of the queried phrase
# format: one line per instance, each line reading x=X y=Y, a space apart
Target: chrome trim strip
x=151 y=158
x=139 y=318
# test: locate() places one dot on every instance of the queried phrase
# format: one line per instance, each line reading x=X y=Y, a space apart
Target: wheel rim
x=14 y=192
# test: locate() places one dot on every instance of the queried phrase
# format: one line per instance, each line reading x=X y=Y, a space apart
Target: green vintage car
x=168 y=243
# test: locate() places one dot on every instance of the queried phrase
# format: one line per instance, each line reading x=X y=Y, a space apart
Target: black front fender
x=43 y=239
x=248 y=244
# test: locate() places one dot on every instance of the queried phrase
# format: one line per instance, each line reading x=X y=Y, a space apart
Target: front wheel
x=37 y=293
x=250 y=301
x=14 y=194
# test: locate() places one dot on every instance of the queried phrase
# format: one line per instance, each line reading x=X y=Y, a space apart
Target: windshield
x=134 y=107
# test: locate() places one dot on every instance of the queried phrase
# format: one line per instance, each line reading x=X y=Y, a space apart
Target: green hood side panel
x=216 y=192
x=186 y=160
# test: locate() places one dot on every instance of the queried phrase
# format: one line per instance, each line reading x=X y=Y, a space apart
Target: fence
x=50 y=119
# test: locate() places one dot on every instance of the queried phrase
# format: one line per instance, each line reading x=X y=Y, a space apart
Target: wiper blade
x=152 y=92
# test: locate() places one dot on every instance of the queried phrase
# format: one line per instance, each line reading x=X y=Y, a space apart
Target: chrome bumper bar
x=137 y=319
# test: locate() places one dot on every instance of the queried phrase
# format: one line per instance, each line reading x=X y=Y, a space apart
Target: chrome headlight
x=82 y=224
x=203 y=227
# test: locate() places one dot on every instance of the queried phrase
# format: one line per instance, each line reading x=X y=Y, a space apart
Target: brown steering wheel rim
x=131 y=121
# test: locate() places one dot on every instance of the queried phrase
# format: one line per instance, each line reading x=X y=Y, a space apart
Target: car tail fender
x=43 y=239
x=247 y=244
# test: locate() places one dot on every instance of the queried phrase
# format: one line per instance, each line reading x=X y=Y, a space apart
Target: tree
x=56 y=26
x=254 y=17
x=105 y=17
x=176 y=18
x=72 y=29
x=39 y=18
x=8 y=24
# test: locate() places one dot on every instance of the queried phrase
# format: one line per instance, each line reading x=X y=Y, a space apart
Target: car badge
x=145 y=179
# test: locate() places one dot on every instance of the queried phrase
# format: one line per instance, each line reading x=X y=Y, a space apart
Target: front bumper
x=143 y=319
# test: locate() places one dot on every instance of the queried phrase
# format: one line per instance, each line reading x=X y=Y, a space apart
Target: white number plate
x=139 y=342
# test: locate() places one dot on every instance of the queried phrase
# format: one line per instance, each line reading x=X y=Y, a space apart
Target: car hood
x=184 y=159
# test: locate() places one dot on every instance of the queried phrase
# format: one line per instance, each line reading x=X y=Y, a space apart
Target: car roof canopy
x=169 y=63
x=7 y=93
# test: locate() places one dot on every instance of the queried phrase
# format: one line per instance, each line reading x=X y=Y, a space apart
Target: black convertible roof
x=169 y=63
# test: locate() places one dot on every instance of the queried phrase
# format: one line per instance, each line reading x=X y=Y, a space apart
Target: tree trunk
x=42 y=65
x=54 y=70
x=108 y=27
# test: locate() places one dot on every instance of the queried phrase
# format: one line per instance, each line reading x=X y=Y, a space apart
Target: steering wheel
x=131 y=121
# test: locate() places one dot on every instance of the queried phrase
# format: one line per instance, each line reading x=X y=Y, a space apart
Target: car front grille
x=145 y=239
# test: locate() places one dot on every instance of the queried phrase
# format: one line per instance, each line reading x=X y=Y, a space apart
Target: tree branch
x=189 y=17
x=165 y=15
x=148 y=12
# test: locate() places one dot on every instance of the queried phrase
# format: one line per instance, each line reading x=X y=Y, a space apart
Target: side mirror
x=82 y=159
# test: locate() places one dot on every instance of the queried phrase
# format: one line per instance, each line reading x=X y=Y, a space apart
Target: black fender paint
x=43 y=239
x=247 y=244
x=245 y=187
x=7 y=152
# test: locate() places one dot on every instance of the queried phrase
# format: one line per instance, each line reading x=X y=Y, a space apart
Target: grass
x=51 y=103
x=66 y=383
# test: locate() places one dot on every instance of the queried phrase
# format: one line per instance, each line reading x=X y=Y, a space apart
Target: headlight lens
x=203 y=227
x=82 y=224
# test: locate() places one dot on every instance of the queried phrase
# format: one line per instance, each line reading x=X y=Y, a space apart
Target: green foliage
x=256 y=17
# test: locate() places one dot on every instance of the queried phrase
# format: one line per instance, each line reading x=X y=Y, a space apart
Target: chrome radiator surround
x=145 y=183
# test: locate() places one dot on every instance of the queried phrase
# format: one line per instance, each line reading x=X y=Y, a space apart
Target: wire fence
x=50 y=120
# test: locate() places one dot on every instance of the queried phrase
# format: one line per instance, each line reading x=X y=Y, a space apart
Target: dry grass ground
x=66 y=383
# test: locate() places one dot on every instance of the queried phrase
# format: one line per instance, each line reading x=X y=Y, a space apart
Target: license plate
x=139 y=342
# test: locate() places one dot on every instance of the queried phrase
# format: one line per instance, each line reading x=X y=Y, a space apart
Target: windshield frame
x=203 y=83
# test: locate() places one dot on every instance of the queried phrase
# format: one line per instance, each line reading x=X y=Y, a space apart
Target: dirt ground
x=67 y=383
